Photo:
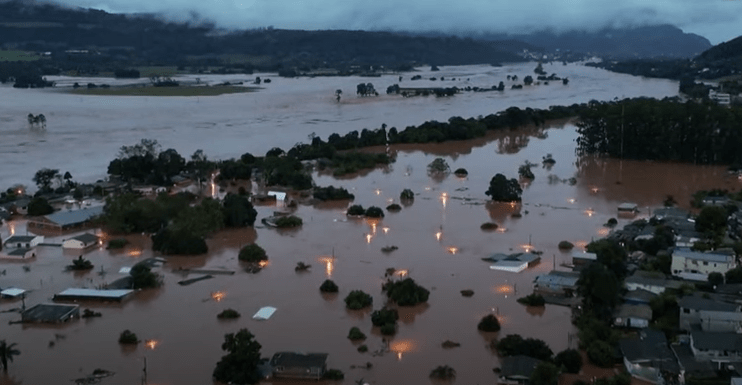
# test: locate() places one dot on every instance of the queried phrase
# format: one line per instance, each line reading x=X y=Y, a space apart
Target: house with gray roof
x=299 y=365
x=63 y=220
x=696 y=266
x=517 y=369
x=82 y=241
x=670 y=213
x=557 y=282
x=708 y=314
x=23 y=241
x=632 y=316
x=639 y=297
x=719 y=348
x=648 y=357
x=649 y=281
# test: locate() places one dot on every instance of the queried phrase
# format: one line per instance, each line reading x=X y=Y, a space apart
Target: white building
x=696 y=266
x=18 y=253
x=23 y=241
x=82 y=241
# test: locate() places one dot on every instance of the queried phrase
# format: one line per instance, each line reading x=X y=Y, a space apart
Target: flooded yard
x=439 y=237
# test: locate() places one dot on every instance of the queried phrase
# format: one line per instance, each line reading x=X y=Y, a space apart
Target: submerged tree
x=7 y=352
x=503 y=190
x=240 y=364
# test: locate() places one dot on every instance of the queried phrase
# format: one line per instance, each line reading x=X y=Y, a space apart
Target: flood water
x=182 y=319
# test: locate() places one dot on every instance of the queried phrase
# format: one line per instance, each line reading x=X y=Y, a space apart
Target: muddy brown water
x=182 y=319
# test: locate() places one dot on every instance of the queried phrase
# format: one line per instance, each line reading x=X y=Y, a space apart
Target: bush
x=566 y=245
x=393 y=207
x=489 y=323
x=356 y=210
x=357 y=300
x=39 y=206
x=489 y=226
x=374 y=212
x=384 y=316
x=228 y=314
x=443 y=372
x=514 y=345
x=525 y=171
x=545 y=373
x=532 y=300
x=181 y=242
x=407 y=194
x=80 y=264
x=388 y=329
x=288 y=222
x=502 y=189
x=600 y=353
x=461 y=172
x=142 y=277
x=570 y=360
x=328 y=287
x=362 y=349
x=405 y=292
x=334 y=374
x=356 y=334
x=252 y=253
x=715 y=278
x=119 y=243
x=611 y=222
x=331 y=193
x=127 y=337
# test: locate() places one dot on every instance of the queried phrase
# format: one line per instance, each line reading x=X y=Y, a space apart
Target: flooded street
x=84 y=133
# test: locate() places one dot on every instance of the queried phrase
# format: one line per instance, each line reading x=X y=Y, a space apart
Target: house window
x=686 y=311
x=705 y=263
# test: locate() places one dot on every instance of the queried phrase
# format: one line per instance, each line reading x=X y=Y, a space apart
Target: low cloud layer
x=717 y=20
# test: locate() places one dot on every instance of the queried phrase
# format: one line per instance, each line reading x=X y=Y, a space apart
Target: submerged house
x=82 y=241
x=557 y=283
x=23 y=241
x=309 y=366
x=64 y=220
x=633 y=316
x=517 y=369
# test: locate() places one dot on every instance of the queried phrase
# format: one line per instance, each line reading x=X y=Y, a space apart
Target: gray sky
x=717 y=20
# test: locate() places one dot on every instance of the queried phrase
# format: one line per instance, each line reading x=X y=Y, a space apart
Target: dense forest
x=669 y=130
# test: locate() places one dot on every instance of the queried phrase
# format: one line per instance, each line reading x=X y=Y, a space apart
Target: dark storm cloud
x=718 y=20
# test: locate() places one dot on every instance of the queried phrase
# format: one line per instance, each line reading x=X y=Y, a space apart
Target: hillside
x=729 y=50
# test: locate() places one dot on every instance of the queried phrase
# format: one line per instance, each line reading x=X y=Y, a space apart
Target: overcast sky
x=717 y=20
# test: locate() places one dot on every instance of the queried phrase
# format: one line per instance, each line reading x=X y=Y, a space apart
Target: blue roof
x=67 y=218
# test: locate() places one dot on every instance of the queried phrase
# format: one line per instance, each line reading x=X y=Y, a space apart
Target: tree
x=7 y=352
x=252 y=253
x=374 y=212
x=734 y=275
x=443 y=372
x=715 y=278
x=328 y=286
x=712 y=221
x=80 y=264
x=528 y=80
x=355 y=334
x=142 y=277
x=503 y=190
x=44 y=177
x=39 y=206
x=600 y=353
x=240 y=364
x=384 y=316
x=238 y=211
x=570 y=360
x=600 y=290
x=357 y=300
x=405 y=292
x=128 y=337
x=514 y=345
x=178 y=242
x=545 y=373
x=489 y=323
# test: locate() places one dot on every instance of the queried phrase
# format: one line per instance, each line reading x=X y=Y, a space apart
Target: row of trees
x=651 y=129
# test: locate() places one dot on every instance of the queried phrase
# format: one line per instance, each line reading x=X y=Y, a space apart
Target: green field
x=163 y=91
x=18 y=56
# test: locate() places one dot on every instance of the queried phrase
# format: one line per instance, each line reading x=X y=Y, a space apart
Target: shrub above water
x=252 y=253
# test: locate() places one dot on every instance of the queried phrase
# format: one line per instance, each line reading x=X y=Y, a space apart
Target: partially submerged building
x=82 y=241
x=23 y=241
x=308 y=366
x=18 y=254
x=517 y=369
x=64 y=220
x=557 y=283
x=92 y=294
x=50 y=313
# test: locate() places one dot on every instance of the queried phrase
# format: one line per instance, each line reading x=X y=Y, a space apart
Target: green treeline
x=667 y=130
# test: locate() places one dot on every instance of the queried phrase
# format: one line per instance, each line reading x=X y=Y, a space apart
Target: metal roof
x=20 y=251
x=708 y=257
x=20 y=239
x=562 y=278
x=67 y=218
x=92 y=293
x=717 y=341
x=87 y=238
x=12 y=292
x=518 y=366
x=291 y=359
x=698 y=303
x=634 y=311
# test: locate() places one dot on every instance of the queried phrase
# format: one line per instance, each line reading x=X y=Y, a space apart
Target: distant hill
x=659 y=41
x=731 y=49
x=144 y=39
